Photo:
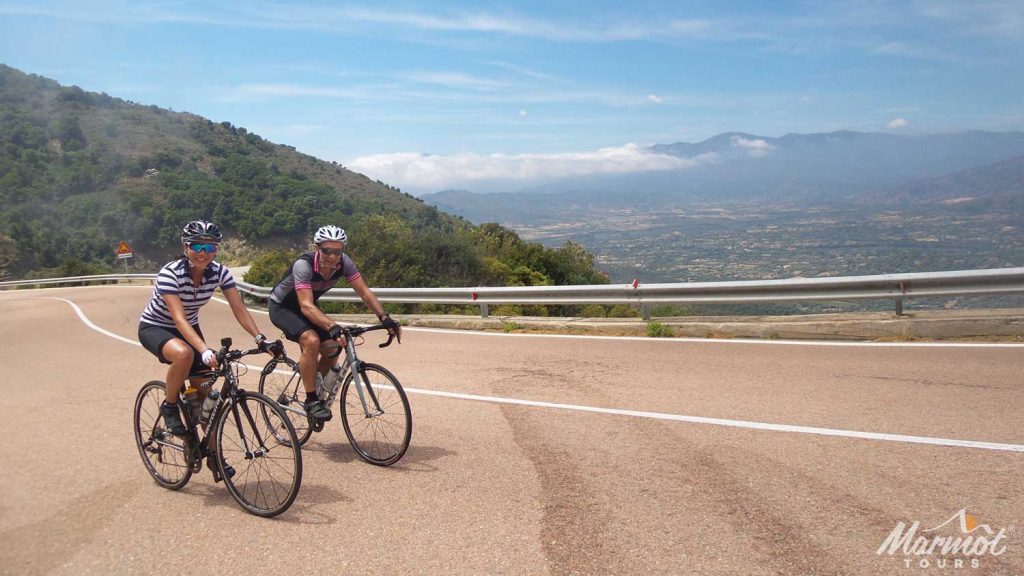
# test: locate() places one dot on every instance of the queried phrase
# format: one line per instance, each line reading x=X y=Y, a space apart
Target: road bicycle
x=252 y=436
x=374 y=408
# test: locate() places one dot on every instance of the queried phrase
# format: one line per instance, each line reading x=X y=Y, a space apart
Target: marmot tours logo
x=960 y=542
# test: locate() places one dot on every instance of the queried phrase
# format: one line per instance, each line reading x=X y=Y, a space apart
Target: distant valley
x=855 y=204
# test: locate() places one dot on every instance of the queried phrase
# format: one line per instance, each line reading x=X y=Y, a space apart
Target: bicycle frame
x=230 y=394
x=351 y=365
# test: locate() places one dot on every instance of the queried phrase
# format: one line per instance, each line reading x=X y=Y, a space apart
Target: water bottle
x=195 y=405
x=209 y=405
x=331 y=381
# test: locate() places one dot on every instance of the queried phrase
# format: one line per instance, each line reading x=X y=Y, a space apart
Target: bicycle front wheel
x=163 y=454
x=268 y=471
x=380 y=433
x=280 y=382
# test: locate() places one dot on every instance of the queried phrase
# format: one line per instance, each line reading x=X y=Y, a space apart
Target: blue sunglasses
x=197 y=247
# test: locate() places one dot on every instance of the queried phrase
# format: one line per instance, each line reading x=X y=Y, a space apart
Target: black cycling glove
x=334 y=332
x=276 y=347
x=393 y=326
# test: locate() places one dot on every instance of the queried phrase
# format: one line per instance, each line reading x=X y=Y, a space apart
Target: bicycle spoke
x=267 y=476
x=163 y=456
x=284 y=389
x=381 y=438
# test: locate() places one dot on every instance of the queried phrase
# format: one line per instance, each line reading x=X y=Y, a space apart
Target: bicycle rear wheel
x=163 y=454
x=382 y=437
x=285 y=390
x=268 y=471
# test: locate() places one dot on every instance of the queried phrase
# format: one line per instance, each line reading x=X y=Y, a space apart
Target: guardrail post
x=899 y=299
x=645 y=312
x=484 y=312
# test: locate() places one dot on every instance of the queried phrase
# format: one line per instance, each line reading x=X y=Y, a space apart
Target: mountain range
x=840 y=166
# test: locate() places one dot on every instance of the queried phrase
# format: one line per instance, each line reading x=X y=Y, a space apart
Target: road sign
x=123 y=250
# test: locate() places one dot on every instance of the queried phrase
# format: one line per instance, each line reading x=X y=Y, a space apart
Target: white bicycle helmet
x=201 y=230
x=330 y=233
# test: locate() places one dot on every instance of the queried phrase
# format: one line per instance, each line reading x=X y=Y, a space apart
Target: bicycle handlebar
x=353 y=331
x=225 y=354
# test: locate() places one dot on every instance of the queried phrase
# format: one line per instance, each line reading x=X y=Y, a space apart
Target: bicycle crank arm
x=290 y=408
x=161 y=442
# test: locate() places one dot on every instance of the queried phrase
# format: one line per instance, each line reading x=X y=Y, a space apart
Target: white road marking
x=659 y=415
x=735 y=423
x=85 y=319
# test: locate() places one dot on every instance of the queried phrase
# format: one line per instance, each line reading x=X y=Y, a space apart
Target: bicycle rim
x=163 y=455
x=285 y=389
x=378 y=439
x=268 y=472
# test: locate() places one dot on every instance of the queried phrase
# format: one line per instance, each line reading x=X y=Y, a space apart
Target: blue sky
x=427 y=95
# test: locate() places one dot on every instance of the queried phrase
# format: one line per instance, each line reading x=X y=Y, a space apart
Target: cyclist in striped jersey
x=169 y=326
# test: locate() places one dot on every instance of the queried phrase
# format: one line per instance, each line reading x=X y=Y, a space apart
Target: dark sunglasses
x=198 y=247
x=332 y=251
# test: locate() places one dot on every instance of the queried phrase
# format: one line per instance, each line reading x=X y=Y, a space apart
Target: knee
x=178 y=352
x=309 y=343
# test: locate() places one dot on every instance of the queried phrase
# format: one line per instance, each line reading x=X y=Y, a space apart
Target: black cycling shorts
x=293 y=323
x=153 y=338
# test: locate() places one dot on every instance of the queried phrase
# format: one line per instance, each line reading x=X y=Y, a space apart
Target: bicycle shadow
x=302 y=510
x=416 y=458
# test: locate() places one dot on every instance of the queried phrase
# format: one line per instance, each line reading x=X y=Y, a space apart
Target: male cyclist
x=293 y=309
x=169 y=326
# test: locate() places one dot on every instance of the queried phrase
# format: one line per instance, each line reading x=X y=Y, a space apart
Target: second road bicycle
x=374 y=408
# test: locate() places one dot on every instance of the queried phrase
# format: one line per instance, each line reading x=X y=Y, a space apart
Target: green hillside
x=81 y=171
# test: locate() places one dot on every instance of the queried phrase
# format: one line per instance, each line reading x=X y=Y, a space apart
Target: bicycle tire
x=382 y=439
x=164 y=455
x=268 y=472
x=285 y=391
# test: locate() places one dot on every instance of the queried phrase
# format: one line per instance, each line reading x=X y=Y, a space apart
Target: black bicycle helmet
x=201 y=230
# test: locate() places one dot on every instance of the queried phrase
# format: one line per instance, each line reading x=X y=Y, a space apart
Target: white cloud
x=433 y=172
x=456 y=80
x=522 y=113
x=897 y=124
x=757 y=148
x=655 y=98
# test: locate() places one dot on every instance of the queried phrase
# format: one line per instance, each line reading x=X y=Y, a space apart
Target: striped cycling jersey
x=175 y=278
x=306 y=274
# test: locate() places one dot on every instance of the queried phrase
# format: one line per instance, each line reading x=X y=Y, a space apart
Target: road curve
x=553 y=485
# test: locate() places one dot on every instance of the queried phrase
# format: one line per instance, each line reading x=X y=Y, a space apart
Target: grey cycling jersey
x=306 y=274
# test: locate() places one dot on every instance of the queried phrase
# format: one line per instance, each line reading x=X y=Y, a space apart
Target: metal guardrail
x=896 y=287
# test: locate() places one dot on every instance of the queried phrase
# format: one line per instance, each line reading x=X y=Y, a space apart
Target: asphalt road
x=492 y=485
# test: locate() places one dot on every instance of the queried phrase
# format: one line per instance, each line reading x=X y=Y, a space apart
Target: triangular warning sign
x=123 y=248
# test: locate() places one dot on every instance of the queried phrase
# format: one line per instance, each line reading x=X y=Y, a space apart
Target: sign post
x=124 y=252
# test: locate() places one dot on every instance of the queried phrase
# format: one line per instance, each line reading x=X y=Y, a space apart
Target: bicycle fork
x=251 y=453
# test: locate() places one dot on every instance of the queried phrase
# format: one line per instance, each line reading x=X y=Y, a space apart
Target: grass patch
x=659 y=330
